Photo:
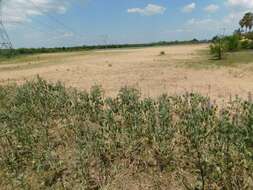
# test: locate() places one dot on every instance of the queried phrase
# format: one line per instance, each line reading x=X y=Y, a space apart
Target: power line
x=38 y=29
x=53 y=30
x=5 y=42
x=56 y=20
x=52 y=27
x=4 y=38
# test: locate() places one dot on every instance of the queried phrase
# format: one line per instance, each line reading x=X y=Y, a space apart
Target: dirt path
x=141 y=68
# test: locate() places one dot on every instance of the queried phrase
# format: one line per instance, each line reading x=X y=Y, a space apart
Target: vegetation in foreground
x=57 y=138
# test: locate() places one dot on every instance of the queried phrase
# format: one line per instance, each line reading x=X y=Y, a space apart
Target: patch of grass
x=21 y=62
x=233 y=59
x=240 y=57
x=19 y=59
x=52 y=137
x=12 y=59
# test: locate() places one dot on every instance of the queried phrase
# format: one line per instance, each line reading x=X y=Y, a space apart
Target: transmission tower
x=5 y=42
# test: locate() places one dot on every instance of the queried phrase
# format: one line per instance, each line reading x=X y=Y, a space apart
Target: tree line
x=26 y=51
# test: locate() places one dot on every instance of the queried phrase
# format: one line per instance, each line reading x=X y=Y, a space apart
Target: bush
x=162 y=53
x=232 y=42
x=248 y=35
x=251 y=45
x=246 y=43
x=57 y=138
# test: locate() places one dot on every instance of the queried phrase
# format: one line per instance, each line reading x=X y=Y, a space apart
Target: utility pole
x=5 y=42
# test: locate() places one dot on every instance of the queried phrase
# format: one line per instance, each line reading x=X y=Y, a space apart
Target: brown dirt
x=141 y=68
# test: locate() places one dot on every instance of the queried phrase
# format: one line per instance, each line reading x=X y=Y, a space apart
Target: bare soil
x=142 y=68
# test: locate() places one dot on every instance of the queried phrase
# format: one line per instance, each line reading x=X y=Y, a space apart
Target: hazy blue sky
x=37 y=23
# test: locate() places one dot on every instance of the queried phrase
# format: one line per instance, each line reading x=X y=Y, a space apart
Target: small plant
x=162 y=53
x=218 y=48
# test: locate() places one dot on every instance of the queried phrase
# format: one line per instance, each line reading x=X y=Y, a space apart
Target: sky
x=54 y=23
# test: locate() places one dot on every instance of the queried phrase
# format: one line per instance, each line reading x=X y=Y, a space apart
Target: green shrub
x=246 y=43
x=52 y=137
x=248 y=35
x=232 y=42
x=251 y=45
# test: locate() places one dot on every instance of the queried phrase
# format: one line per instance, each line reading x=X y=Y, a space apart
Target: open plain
x=182 y=68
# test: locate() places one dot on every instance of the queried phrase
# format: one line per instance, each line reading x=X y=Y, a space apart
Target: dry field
x=55 y=138
x=142 y=68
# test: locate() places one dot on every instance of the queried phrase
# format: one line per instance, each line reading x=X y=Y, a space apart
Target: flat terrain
x=182 y=68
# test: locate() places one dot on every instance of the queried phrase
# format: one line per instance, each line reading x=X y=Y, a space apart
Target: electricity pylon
x=5 y=42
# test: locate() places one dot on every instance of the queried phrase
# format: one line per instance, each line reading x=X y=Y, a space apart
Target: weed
x=162 y=53
x=52 y=137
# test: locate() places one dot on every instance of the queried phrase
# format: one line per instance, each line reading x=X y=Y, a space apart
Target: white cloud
x=241 y=3
x=199 y=21
x=22 y=10
x=228 y=23
x=233 y=18
x=211 y=8
x=62 y=36
x=149 y=10
x=189 y=8
x=179 y=30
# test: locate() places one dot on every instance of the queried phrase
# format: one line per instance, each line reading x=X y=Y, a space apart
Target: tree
x=238 y=32
x=242 y=23
x=247 y=21
x=218 y=48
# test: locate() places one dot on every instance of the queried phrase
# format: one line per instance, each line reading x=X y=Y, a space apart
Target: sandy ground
x=141 y=68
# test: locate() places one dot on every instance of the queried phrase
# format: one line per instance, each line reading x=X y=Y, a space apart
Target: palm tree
x=247 y=21
x=242 y=23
